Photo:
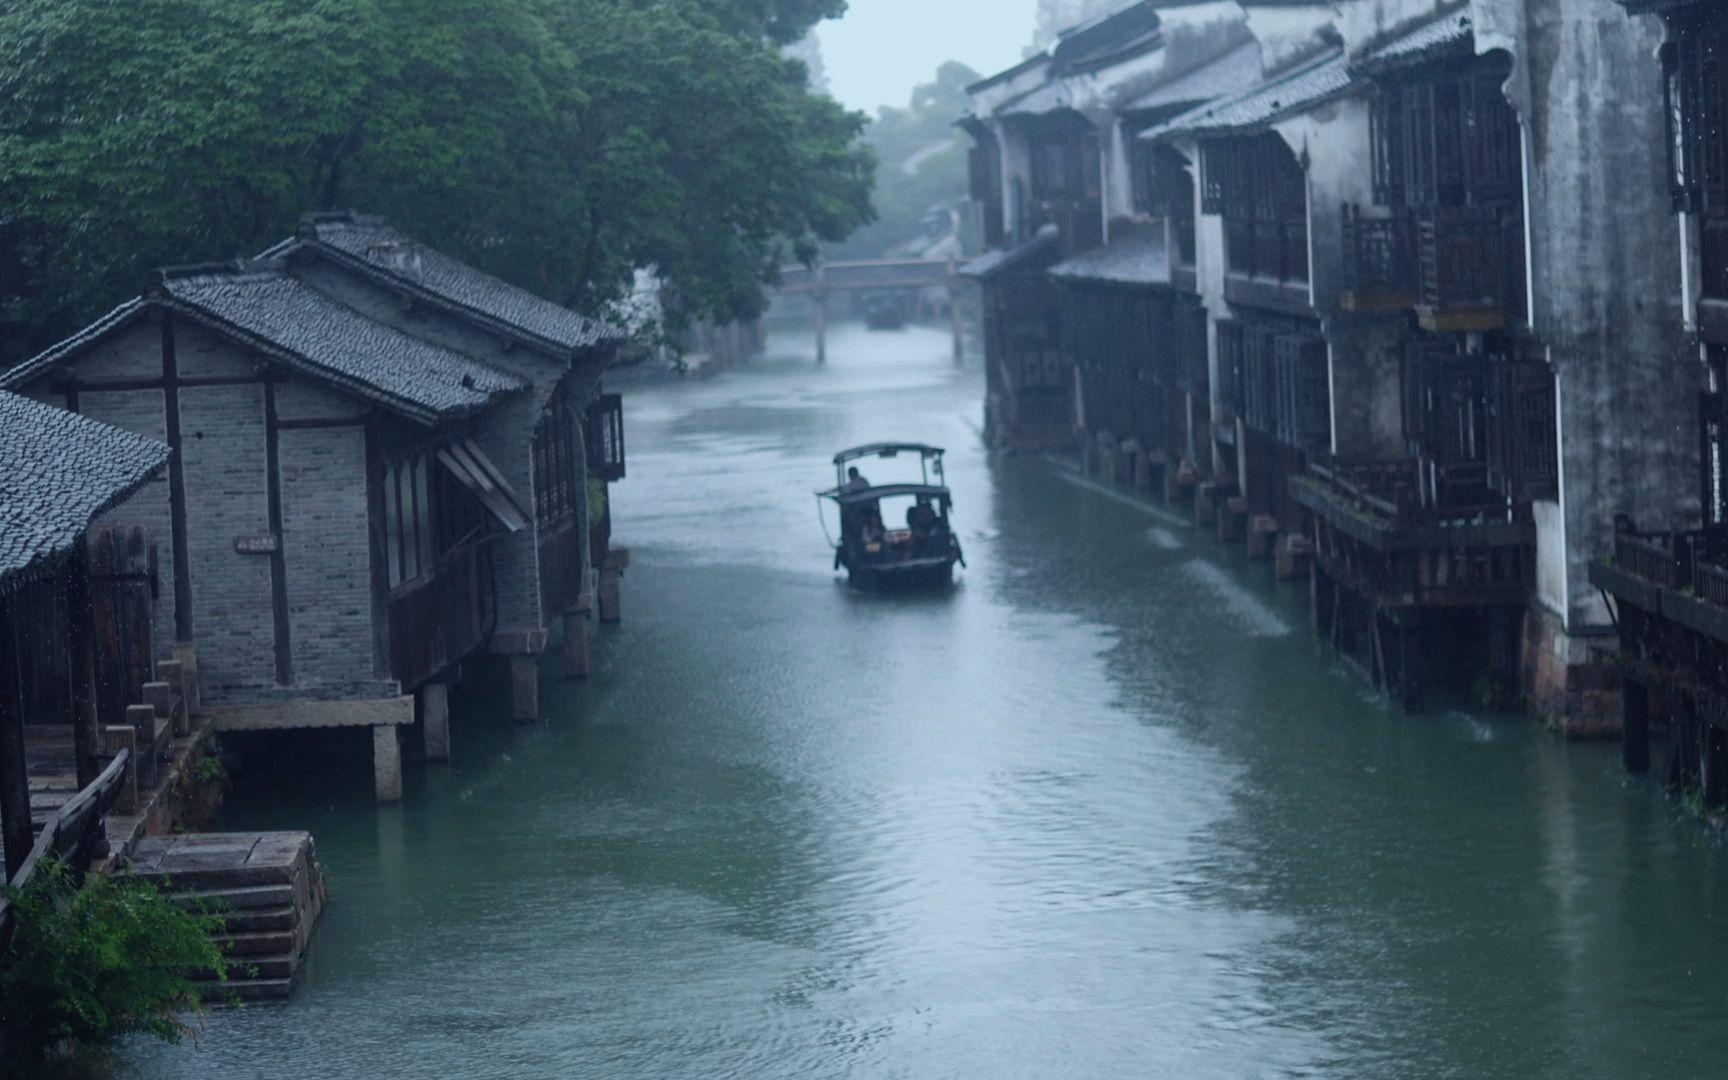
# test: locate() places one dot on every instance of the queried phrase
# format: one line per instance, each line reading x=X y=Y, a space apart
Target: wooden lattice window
x=1386 y=133
x=605 y=428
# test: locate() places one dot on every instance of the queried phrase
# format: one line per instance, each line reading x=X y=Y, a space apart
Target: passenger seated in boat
x=922 y=518
x=873 y=532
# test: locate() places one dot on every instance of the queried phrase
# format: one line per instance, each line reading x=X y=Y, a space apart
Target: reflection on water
x=1105 y=810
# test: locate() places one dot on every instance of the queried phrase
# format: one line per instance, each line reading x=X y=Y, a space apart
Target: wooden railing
x=75 y=834
x=1379 y=257
x=1470 y=259
x=1393 y=490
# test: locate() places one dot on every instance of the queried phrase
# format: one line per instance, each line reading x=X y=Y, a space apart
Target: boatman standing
x=855 y=481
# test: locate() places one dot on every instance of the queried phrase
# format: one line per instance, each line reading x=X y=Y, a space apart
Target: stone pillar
x=524 y=689
x=611 y=578
x=1206 y=504
x=386 y=763
x=435 y=720
x=1233 y=521
x=1262 y=537
x=187 y=654
x=1294 y=557
x=576 y=645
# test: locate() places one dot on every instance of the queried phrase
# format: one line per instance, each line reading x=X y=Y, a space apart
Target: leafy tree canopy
x=560 y=143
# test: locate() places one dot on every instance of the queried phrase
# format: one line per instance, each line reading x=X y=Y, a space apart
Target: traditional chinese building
x=560 y=442
x=59 y=475
x=1665 y=570
x=330 y=516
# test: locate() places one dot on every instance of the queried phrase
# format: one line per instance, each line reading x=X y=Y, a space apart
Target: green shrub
x=91 y=966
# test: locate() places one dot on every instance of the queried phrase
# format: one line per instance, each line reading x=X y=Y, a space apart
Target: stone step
x=251 y=968
x=203 y=861
x=242 y=899
x=249 y=991
x=262 y=943
x=257 y=920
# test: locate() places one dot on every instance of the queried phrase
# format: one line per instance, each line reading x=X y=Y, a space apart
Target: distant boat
x=920 y=555
x=885 y=310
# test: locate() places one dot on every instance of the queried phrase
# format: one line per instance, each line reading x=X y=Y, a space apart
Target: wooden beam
x=183 y=628
x=14 y=777
x=278 y=559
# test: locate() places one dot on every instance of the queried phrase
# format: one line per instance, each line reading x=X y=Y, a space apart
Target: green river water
x=1105 y=810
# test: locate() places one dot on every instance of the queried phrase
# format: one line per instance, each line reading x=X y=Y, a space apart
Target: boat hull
x=910 y=575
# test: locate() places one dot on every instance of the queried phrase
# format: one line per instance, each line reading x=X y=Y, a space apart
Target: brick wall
x=504 y=432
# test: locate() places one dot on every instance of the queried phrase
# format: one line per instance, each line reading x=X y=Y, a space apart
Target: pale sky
x=883 y=48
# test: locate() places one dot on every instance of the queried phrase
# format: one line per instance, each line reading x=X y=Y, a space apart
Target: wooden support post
x=81 y=649
x=1413 y=689
x=956 y=316
x=576 y=644
x=187 y=654
x=14 y=775
x=159 y=696
x=1635 y=724
x=821 y=298
x=142 y=719
x=170 y=672
x=435 y=720
x=524 y=689
x=115 y=738
x=386 y=763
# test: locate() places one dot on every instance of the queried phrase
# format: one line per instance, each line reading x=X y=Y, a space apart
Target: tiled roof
x=1231 y=73
x=370 y=242
x=1449 y=33
x=1307 y=86
x=1136 y=258
x=25 y=373
x=1039 y=101
x=992 y=263
x=58 y=471
x=309 y=330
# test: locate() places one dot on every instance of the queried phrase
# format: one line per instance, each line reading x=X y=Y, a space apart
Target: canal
x=1105 y=810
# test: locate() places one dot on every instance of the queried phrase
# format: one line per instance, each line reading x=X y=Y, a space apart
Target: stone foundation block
x=1262 y=537
x=1571 y=682
x=1293 y=557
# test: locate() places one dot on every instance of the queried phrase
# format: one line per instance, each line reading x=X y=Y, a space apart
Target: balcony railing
x=1380 y=271
x=1695 y=561
x=1472 y=268
x=1393 y=490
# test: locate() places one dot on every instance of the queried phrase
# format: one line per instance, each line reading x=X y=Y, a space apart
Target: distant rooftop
x=58 y=472
x=992 y=263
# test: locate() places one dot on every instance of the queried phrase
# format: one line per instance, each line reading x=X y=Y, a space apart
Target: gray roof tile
x=1432 y=39
x=58 y=471
x=992 y=263
x=1135 y=258
x=1231 y=73
x=373 y=243
x=338 y=343
x=1305 y=87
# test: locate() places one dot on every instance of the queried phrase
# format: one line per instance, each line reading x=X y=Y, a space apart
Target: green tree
x=89 y=967
x=560 y=143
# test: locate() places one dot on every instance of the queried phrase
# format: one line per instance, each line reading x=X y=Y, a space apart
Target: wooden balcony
x=1471 y=263
x=1380 y=264
x=1079 y=222
x=1374 y=532
x=1668 y=577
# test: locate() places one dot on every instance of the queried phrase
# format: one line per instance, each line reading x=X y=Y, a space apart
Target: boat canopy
x=887 y=450
x=888 y=491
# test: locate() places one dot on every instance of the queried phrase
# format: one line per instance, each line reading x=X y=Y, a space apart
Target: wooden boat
x=922 y=554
